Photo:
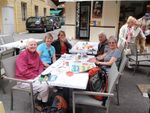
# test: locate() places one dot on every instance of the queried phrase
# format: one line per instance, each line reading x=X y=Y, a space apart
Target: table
x=85 y=47
x=65 y=64
x=21 y=44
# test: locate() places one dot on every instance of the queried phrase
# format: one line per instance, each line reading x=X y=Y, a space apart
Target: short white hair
x=29 y=41
x=102 y=33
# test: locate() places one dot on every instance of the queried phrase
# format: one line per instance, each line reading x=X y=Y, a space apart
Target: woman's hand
x=46 y=65
x=97 y=62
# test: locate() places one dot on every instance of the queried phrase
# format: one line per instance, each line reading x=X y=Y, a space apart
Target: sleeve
x=22 y=70
x=106 y=49
x=68 y=44
x=39 y=48
x=41 y=66
x=53 y=50
x=117 y=54
x=122 y=39
x=142 y=34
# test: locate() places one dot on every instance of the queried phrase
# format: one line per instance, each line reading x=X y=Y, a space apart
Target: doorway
x=7 y=20
x=83 y=20
x=136 y=9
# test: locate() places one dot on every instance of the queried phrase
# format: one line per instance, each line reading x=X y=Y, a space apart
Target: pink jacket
x=28 y=65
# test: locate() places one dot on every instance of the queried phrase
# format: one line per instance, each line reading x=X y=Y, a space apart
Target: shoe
x=38 y=105
x=38 y=102
x=129 y=65
x=38 y=108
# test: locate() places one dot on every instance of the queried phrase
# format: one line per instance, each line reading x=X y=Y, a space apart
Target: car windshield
x=34 y=20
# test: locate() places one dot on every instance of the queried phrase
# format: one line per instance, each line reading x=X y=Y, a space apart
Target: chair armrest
x=93 y=93
x=139 y=54
x=17 y=80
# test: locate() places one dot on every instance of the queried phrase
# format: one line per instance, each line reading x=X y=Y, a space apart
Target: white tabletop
x=63 y=65
x=17 y=44
x=86 y=47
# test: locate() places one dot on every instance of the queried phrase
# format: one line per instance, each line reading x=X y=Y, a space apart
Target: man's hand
x=92 y=60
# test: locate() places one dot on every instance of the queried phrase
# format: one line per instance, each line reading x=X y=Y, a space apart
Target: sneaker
x=38 y=107
x=129 y=66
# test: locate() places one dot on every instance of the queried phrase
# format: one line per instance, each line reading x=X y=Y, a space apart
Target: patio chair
x=2 y=110
x=9 y=67
x=1 y=41
x=120 y=69
x=4 y=54
x=7 y=39
x=84 y=97
x=137 y=57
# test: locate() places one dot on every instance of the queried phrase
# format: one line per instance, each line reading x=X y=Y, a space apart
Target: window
x=24 y=10
x=44 y=11
x=36 y=10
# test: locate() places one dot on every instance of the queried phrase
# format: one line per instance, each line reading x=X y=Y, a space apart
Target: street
x=36 y=35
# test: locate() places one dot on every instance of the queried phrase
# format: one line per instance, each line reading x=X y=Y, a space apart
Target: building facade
x=86 y=19
x=13 y=14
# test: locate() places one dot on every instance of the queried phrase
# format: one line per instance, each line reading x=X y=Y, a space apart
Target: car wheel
x=44 y=30
x=30 y=31
x=53 y=28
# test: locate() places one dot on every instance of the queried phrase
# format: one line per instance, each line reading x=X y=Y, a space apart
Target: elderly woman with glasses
x=108 y=58
x=47 y=51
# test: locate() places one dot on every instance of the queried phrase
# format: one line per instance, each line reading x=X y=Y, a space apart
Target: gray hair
x=112 y=38
x=29 y=41
x=102 y=33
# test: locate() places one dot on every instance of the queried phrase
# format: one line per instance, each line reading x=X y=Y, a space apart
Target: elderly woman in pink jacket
x=28 y=67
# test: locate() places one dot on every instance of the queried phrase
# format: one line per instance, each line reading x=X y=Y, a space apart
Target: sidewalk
x=131 y=99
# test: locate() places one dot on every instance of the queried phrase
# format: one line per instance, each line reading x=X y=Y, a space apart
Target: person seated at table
x=103 y=44
x=28 y=67
x=47 y=51
x=113 y=55
x=61 y=45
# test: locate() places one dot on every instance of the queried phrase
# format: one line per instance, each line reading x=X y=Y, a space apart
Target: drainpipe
x=15 y=8
x=31 y=7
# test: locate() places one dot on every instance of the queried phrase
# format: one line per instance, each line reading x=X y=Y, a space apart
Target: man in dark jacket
x=103 y=44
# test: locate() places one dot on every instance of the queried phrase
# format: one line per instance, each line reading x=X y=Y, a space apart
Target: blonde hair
x=48 y=35
x=131 y=19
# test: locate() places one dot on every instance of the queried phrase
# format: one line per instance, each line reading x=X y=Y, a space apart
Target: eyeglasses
x=49 y=53
x=111 y=42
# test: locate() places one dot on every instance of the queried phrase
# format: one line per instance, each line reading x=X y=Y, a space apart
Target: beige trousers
x=141 y=44
x=42 y=88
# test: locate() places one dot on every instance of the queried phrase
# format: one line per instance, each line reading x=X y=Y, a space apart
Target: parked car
x=56 y=21
x=39 y=24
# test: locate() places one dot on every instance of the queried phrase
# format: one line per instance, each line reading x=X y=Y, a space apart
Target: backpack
x=59 y=105
x=98 y=81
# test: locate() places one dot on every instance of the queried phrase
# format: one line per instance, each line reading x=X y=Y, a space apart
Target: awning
x=55 y=12
x=56 y=2
x=74 y=0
